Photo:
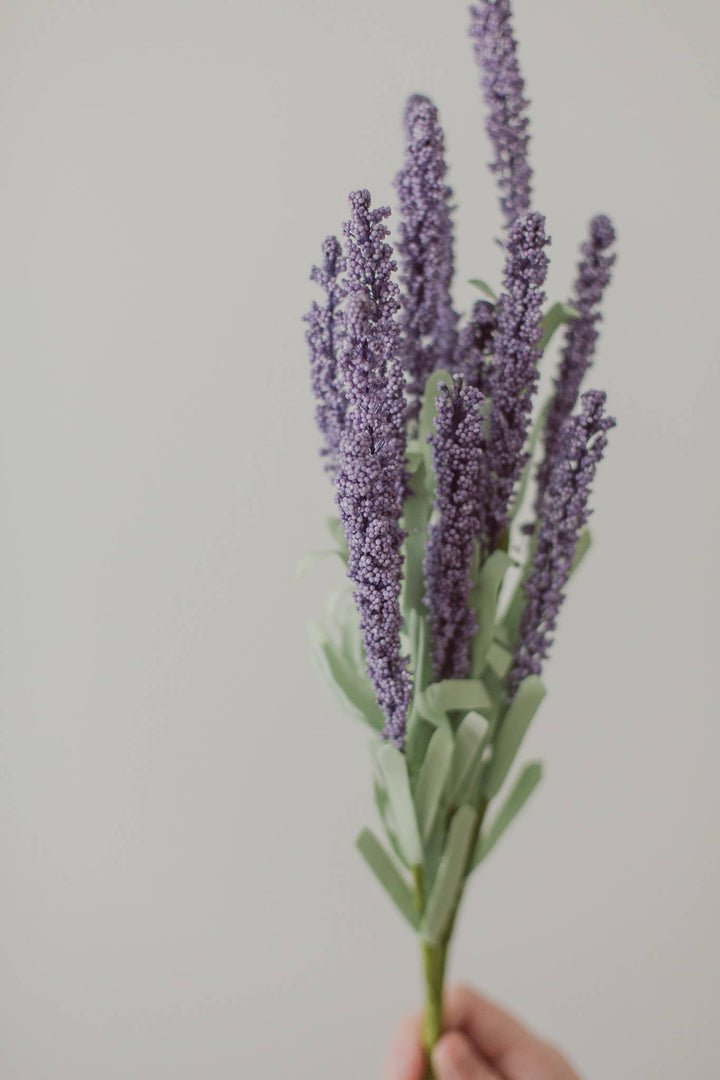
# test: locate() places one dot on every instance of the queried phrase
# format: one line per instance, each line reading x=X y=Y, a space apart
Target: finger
x=495 y=1034
x=455 y=1058
x=406 y=1060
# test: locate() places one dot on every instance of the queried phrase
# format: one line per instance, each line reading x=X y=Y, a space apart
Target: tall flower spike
x=507 y=123
x=563 y=513
x=513 y=376
x=456 y=448
x=325 y=336
x=425 y=248
x=475 y=345
x=593 y=276
x=371 y=475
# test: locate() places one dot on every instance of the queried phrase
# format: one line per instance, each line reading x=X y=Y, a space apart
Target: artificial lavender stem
x=371 y=475
x=325 y=340
x=563 y=512
x=425 y=250
x=456 y=448
x=475 y=345
x=504 y=89
x=513 y=376
x=593 y=276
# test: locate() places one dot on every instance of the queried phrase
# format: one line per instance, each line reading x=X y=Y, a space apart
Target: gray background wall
x=178 y=795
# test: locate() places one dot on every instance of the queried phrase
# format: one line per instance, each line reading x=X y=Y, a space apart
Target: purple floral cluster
x=513 y=377
x=456 y=447
x=593 y=277
x=371 y=476
x=374 y=343
x=563 y=512
x=425 y=250
x=325 y=335
x=475 y=344
x=507 y=122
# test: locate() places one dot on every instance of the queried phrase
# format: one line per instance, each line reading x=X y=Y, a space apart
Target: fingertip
x=406 y=1060
x=454 y=1056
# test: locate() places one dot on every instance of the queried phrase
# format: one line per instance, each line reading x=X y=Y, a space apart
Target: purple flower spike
x=563 y=513
x=325 y=336
x=507 y=124
x=425 y=247
x=475 y=345
x=456 y=446
x=513 y=376
x=593 y=276
x=371 y=475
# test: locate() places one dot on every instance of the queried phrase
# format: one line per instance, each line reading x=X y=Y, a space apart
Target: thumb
x=455 y=1058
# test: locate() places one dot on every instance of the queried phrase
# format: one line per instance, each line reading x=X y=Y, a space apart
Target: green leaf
x=484 y=598
x=499 y=659
x=521 y=791
x=582 y=546
x=513 y=612
x=352 y=688
x=453 y=694
x=537 y=431
x=312 y=559
x=484 y=288
x=431 y=779
x=393 y=770
x=382 y=803
x=416 y=513
x=427 y=421
x=388 y=875
x=470 y=740
x=450 y=876
x=511 y=732
x=337 y=533
x=557 y=315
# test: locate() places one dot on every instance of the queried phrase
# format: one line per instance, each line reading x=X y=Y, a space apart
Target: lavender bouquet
x=436 y=449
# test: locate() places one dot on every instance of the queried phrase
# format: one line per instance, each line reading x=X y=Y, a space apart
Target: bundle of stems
x=462 y=502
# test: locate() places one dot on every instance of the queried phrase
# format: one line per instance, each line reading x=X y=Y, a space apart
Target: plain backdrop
x=179 y=795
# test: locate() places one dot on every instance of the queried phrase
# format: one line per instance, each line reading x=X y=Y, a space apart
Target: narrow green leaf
x=427 y=421
x=312 y=559
x=383 y=805
x=511 y=732
x=393 y=769
x=557 y=315
x=337 y=533
x=521 y=791
x=352 y=688
x=513 y=612
x=432 y=777
x=470 y=741
x=450 y=876
x=416 y=513
x=584 y=542
x=453 y=694
x=537 y=431
x=388 y=875
x=484 y=598
x=499 y=659
x=484 y=288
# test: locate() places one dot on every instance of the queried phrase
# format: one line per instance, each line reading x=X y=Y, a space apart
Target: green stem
x=434 y=958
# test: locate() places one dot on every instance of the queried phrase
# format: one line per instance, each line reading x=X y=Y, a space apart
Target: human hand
x=480 y=1042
